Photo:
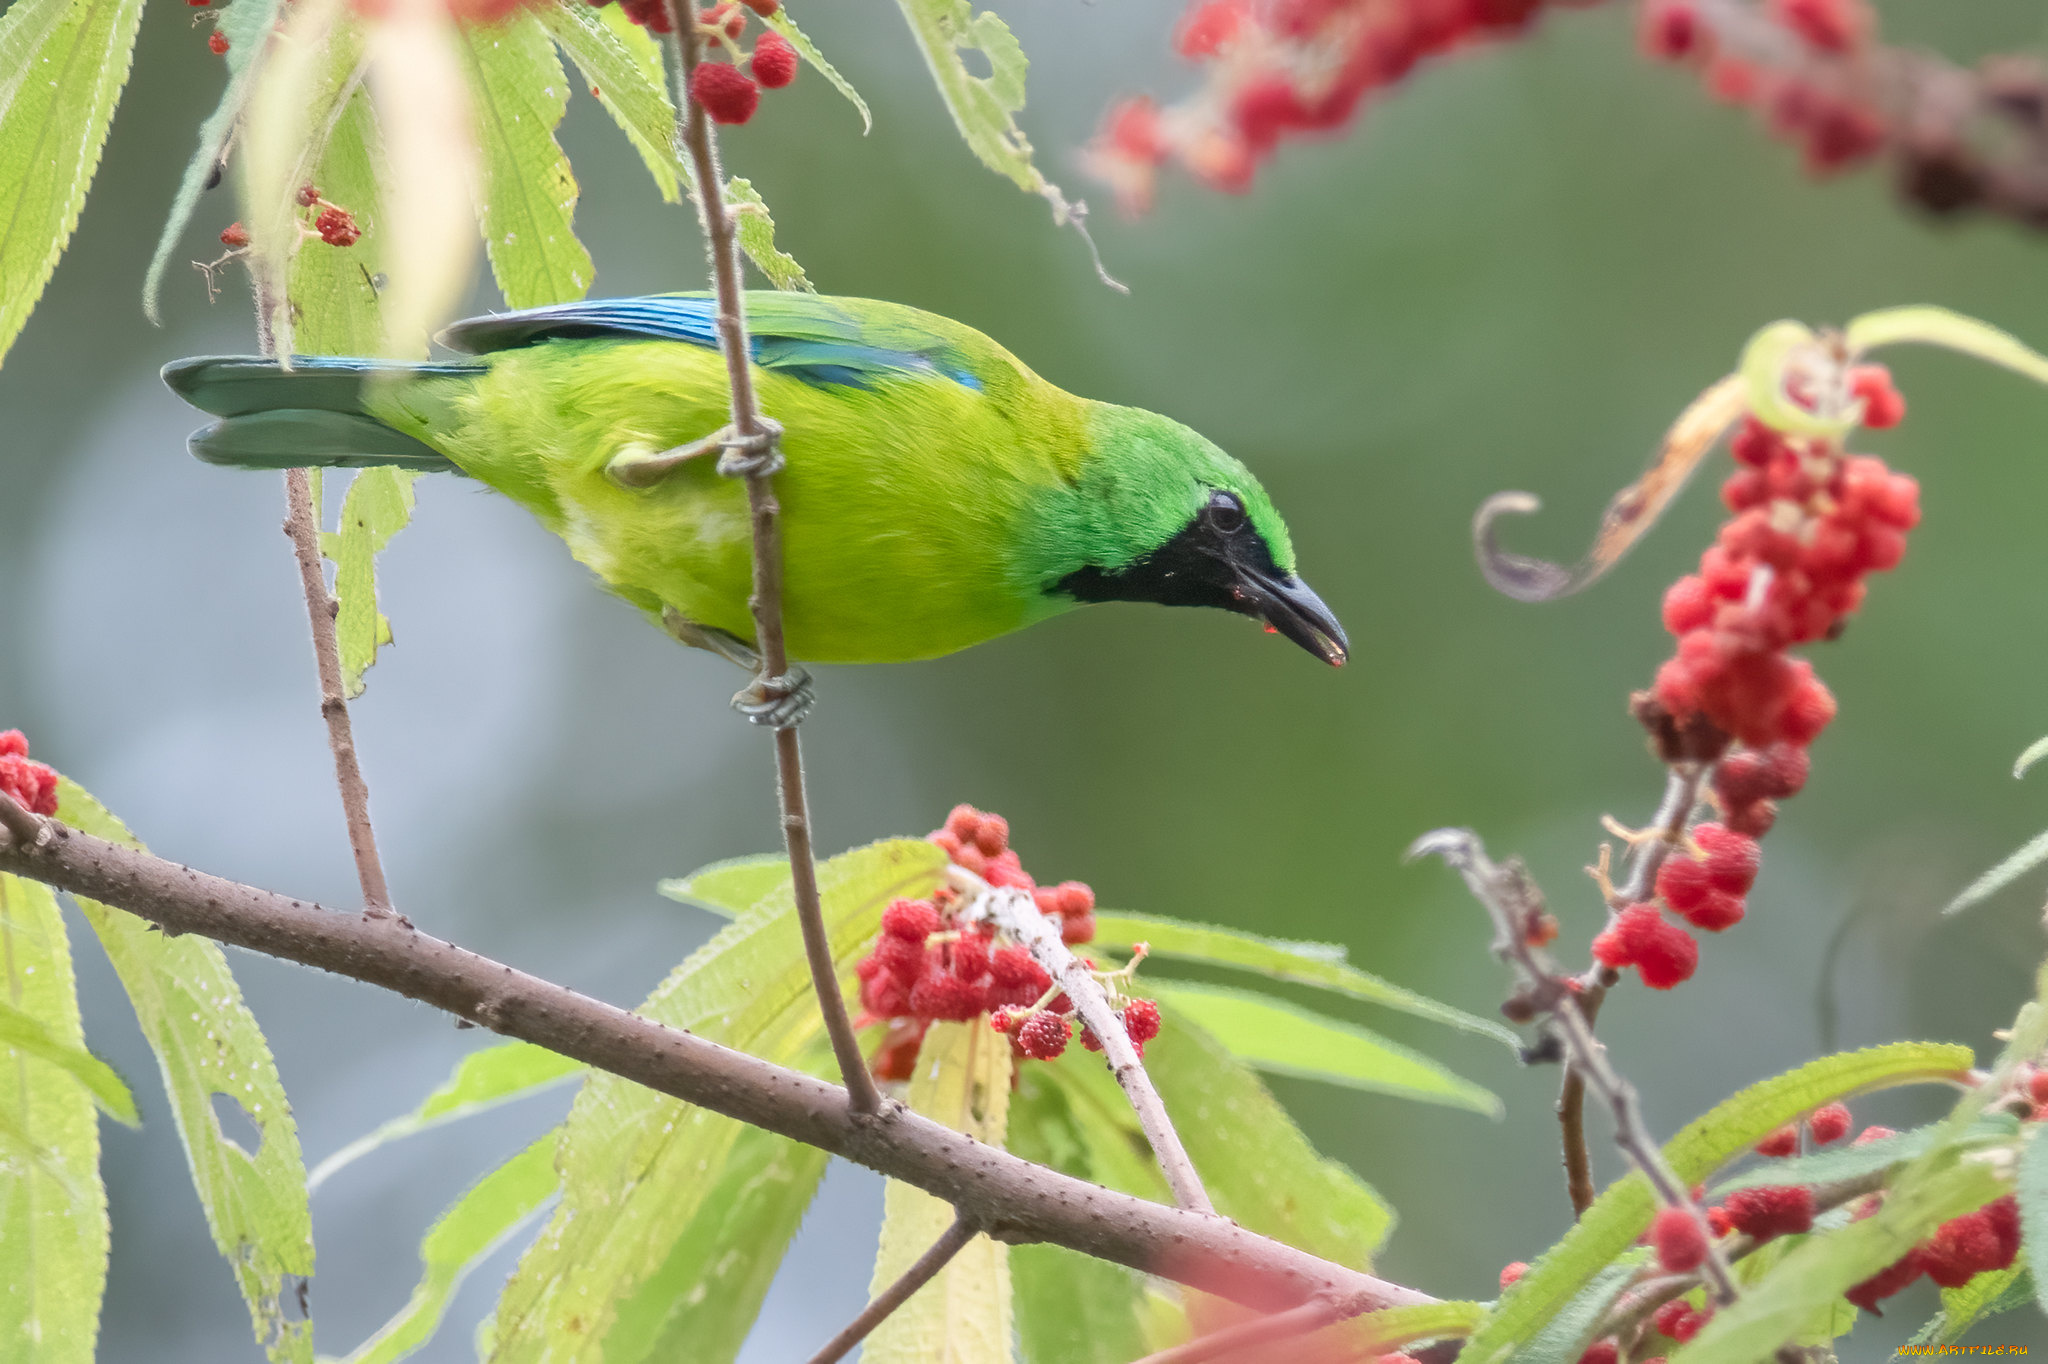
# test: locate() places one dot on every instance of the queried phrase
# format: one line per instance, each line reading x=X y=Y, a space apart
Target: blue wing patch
x=802 y=335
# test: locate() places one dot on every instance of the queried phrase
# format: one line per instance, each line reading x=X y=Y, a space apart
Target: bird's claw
x=777 y=702
x=711 y=640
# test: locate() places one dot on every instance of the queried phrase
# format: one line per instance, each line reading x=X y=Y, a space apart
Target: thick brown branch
x=1015 y=913
x=928 y=1265
x=302 y=524
x=721 y=237
x=1010 y=1199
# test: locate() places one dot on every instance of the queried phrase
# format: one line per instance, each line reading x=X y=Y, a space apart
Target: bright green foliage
x=1071 y=1309
x=483 y=1080
x=1394 y=1327
x=378 y=505
x=245 y=24
x=334 y=289
x=2031 y=1186
x=520 y=93
x=1810 y=1278
x=701 y=1303
x=963 y=1315
x=757 y=237
x=62 y=66
x=732 y=887
x=490 y=1213
x=1304 y=963
x=1997 y=1129
x=53 y=1207
x=28 y=1035
x=983 y=107
x=808 y=50
x=207 y=1043
x=623 y=67
x=638 y=1167
x=1623 y=1212
x=1280 y=1038
x=1988 y=1295
x=1565 y=1336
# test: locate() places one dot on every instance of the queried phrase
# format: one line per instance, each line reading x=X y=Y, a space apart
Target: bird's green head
x=1156 y=513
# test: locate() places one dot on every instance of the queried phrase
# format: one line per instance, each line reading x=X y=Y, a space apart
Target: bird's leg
x=777 y=702
x=641 y=466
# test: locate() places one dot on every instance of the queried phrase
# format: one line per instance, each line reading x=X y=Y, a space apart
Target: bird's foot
x=751 y=456
x=777 y=702
x=710 y=639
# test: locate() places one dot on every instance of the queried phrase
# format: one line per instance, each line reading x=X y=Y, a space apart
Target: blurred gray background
x=1510 y=275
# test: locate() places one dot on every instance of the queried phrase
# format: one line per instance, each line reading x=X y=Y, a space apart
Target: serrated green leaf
x=1941 y=327
x=2031 y=1188
x=808 y=50
x=1622 y=1213
x=521 y=93
x=207 y=1042
x=246 y=24
x=1283 y=1039
x=963 y=1315
x=1392 y=1327
x=2030 y=856
x=757 y=237
x=31 y=1036
x=732 y=887
x=1071 y=1309
x=1825 y=1167
x=983 y=107
x=1222 y=1110
x=623 y=68
x=488 y=1215
x=1565 y=1336
x=703 y=1300
x=334 y=290
x=481 y=1081
x=378 y=506
x=637 y=1166
x=1305 y=963
x=1822 y=1268
x=1985 y=1296
x=53 y=1207
x=62 y=66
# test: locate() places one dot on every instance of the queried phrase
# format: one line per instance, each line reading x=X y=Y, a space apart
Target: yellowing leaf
x=209 y=1046
x=62 y=66
x=521 y=93
x=378 y=505
x=963 y=1315
x=53 y=1208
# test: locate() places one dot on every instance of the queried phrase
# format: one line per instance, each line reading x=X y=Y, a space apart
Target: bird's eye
x=1225 y=513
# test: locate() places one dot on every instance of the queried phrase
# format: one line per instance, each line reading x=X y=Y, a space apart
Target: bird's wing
x=819 y=340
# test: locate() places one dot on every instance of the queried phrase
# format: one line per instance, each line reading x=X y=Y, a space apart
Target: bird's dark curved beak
x=1290 y=607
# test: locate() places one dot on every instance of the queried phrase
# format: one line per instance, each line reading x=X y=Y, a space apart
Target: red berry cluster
x=727 y=93
x=928 y=966
x=1801 y=64
x=1278 y=69
x=1960 y=1249
x=32 y=785
x=1680 y=1320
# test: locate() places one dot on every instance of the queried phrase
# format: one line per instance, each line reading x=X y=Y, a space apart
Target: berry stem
x=20 y=826
x=1015 y=913
x=950 y=1243
x=764 y=512
x=1511 y=900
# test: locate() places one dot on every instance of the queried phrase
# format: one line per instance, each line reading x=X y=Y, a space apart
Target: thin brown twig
x=1015 y=912
x=757 y=436
x=1511 y=900
x=1295 y=1321
x=1011 y=1199
x=950 y=1243
x=1681 y=793
x=301 y=523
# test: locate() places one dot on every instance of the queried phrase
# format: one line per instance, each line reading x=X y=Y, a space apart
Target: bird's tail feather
x=311 y=415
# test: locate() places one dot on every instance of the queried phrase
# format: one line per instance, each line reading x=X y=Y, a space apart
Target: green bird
x=937 y=492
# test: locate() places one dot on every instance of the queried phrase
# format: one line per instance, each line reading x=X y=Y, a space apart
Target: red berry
x=1077 y=928
x=1808 y=711
x=13 y=744
x=1141 y=1020
x=1133 y=129
x=765 y=8
x=775 y=61
x=1014 y=966
x=1782 y=1142
x=1688 y=605
x=1511 y=1272
x=1601 y=1352
x=910 y=920
x=962 y=821
x=1830 y=25
x=943 y=995
x=217 y=43
x=1829 y=1124
x=1731 y=858
x=1772 y=774
x=1005 y=870
x=2037 y=1079
x=1886 y=1282
x=1754 y=819
x=1873 y=1133
x=1075 y=897
x=1755 y=443
x=1717 y=912
x=337 y=227
x=234 y=236
x=1680 y=1240
x=1665 y=954
x=992 y=835
x=1773 y=1210
x=1044 y=1036
x=1678 y=1320
x=1882 y=403
x=1670 y=29
x=727 y=93
x=308 y=195
x=1682 y=883
x=969 y=856
x=970 y=956
x=1206 y=29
